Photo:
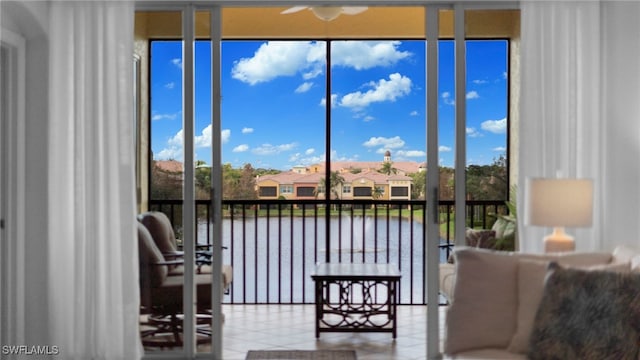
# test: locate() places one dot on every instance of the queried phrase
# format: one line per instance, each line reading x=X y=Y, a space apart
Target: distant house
x=172 y=166
x=367 y=182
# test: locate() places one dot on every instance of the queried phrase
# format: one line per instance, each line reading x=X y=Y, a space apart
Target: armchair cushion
x=161 y=230
x=151 y=274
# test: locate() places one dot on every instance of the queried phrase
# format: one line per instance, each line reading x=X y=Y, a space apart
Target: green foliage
x=419 y=186
x=376 y=192
x=387 y=168
x=488 y=182
x=165 y=184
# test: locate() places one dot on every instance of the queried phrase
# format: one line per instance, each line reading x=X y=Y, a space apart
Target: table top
x=356 y=271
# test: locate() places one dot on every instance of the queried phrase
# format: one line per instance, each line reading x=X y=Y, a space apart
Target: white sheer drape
x=93 y=272
x=571 y=117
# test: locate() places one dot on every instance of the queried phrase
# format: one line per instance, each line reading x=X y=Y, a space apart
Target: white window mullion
x=216 y=181
x=188 y=207
x=461 y=125
x=433 y=179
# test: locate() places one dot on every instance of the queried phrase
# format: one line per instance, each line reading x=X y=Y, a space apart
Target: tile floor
x=264 y=327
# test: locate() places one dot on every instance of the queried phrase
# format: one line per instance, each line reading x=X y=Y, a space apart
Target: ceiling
x=377 y=22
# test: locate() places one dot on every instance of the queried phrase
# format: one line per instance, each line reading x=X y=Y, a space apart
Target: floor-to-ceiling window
x=280 y=104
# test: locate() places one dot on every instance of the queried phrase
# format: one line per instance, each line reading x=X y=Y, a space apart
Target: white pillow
x=483 y=311
x=531 y=274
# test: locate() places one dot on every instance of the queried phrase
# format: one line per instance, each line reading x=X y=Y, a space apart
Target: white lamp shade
x=559 y=202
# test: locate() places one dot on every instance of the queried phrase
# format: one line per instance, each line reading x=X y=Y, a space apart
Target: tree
x=336 y=182
x=446 y=181
x=165 y=185
x=488 y=182
x=419 y=187
x=376 y=192
x=247 y=184
x=387 y=168
x=203 y=180
x=230 y=181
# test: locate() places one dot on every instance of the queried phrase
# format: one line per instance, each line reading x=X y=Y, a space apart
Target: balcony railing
x=274 y=244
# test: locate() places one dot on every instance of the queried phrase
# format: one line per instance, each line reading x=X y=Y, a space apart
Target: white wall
x=29 y=20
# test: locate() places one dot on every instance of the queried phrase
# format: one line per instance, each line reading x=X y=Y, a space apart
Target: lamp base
x=558 y=241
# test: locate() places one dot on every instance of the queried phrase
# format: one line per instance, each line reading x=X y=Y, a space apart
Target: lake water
x=273 y=258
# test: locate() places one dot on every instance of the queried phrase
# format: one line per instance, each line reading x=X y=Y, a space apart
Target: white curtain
x=572 y=118
x=93 y=271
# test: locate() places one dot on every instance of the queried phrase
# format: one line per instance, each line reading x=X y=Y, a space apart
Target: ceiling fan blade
x=353 y=10
x=294 y=9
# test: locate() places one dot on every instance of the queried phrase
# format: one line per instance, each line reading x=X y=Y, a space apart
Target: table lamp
x=559 y=203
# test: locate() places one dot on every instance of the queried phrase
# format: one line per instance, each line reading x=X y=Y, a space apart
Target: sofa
x=573 y=305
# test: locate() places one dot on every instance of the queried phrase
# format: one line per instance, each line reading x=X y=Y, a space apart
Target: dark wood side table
x=356 y=297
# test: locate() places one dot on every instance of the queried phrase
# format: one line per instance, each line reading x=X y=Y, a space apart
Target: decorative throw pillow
x=482 y=313
x=587 y=315
x=484 y=239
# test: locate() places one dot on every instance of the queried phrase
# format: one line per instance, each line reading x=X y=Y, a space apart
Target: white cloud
x=413 y=113
x=368 y=118
x=472 y=95
x=277 y=58
x=170 y=85
x=479 y=81
x=334 y=100
x=156 y=117
x=313 y=73
x=200 y=141
x=288 y=58
x=362 y=55
x=175 y=144
x=170 y=153
x=410 y=153
x=268 y=149
x=443 y=148
x=204 y=139
x=499 y=149
x=309 y=151
x=304 y=87
x=173 y=150
x=384 y=90
x=387 y=143
x=446 y=97
x=495 y=126
x=298 y=159
x=177 y=62
x=225 y=134
x=247 y=130
x=472 y=132
x=241 y=148
x=176 y=140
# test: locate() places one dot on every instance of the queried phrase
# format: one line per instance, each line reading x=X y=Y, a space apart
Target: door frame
x=12 y=187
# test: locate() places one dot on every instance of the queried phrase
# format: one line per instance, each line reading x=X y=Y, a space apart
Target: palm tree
x=336 y=181
x=376 y=192
x=387 y=168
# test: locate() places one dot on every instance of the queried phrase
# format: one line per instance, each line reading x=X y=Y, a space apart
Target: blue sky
x=274 y=101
